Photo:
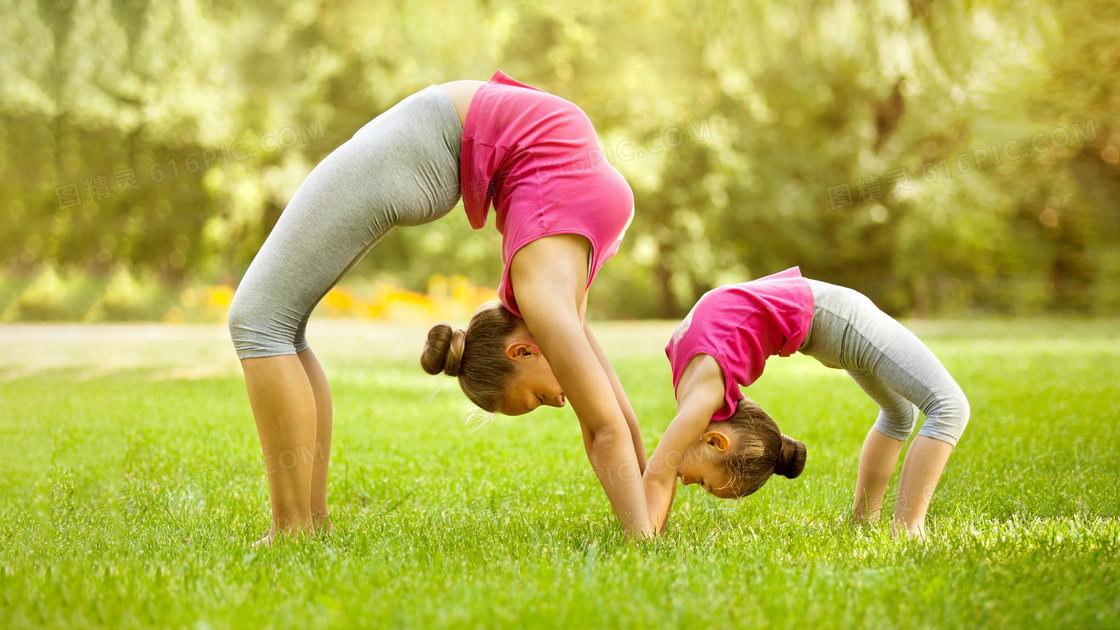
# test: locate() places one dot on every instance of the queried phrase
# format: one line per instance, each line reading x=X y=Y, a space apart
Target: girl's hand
x=659 y=500
x=699 y=395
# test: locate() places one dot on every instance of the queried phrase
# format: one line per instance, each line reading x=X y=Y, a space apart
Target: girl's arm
x=620 y=395
x=700 y=394
x=549 y=277
x=660 y=479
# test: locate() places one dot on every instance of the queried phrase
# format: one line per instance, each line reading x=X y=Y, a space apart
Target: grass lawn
x=132 y=484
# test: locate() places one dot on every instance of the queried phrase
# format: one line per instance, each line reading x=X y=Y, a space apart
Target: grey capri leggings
x=401 y=168
x=892 y=365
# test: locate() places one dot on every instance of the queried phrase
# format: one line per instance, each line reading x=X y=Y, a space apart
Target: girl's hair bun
x=791 y=459
x=443 y=351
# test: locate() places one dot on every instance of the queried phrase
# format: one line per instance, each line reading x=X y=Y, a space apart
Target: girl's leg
x=884 y=442
x=904 y=364
x=877 y=460
x=925 y=461
x=871 y=342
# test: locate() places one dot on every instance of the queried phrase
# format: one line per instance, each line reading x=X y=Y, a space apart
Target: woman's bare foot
x=310 y=530
x=266 y=541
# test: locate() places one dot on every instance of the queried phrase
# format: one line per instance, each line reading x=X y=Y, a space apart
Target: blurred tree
x=892 y=145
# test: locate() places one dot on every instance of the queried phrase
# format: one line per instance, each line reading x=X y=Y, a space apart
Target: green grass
x=132 y=485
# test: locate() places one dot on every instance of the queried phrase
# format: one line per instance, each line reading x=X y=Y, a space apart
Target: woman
x=730 y=446
x=562 y=212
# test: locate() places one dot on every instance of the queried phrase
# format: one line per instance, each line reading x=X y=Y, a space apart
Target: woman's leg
x=324 y=417
x=400 y=169
x=284 y=410
x=312 y=246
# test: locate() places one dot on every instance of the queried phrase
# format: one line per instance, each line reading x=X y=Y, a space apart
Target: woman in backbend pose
x=562 y=211
x=730 y=446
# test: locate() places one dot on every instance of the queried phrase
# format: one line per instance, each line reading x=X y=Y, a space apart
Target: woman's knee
x=258 y=328
x=240 y=321
x=241 y=315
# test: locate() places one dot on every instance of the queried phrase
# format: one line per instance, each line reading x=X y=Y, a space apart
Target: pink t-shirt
x=741 y=325
x=536 y=158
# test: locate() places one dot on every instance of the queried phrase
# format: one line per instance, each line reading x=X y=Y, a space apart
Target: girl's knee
x=961 y=410
x=954 y=407
x=947 y=421
x=897 y=423
x=897 y=427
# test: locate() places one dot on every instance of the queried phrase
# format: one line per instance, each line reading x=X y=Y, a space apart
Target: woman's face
x=533 y=383
x=701 y=464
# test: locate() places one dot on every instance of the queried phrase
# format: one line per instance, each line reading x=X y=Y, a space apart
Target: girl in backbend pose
x=562 y=211
x=730 y=446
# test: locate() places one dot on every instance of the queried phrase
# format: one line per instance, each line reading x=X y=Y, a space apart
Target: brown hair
x=476 y=354
x=761 y=451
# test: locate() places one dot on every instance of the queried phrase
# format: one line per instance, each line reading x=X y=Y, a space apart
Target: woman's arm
x=620 y=395
x=549 y=277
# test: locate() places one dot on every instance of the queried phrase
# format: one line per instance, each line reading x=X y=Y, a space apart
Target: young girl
x=730 y=446
x=562 y=211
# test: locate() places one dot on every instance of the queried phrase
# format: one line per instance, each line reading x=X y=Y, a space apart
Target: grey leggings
x=401 y=168
x=892 y=365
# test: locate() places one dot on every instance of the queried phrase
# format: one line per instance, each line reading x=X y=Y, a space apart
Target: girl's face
x=701 y=463
x=533 y=383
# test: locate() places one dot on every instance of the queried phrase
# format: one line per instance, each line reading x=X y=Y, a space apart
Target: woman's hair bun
x=443 y=351
x=791 y=459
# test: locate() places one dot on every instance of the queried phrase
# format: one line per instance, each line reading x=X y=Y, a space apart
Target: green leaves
x=873 y=145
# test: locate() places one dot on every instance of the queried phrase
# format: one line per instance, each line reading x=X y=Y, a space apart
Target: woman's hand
x=620 y=395
x=549 y=278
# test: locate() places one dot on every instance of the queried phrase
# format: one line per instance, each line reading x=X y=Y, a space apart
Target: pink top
x=741 y=325
x=536 y=158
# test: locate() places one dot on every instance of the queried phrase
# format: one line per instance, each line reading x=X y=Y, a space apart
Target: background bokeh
x=946 y=158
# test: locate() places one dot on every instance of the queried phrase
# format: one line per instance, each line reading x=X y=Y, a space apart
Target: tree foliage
x=939 y=156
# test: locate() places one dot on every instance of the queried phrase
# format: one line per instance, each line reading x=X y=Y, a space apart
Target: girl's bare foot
x=901 y=530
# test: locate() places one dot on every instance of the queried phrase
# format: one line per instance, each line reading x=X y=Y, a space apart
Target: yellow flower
x=221 y=296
